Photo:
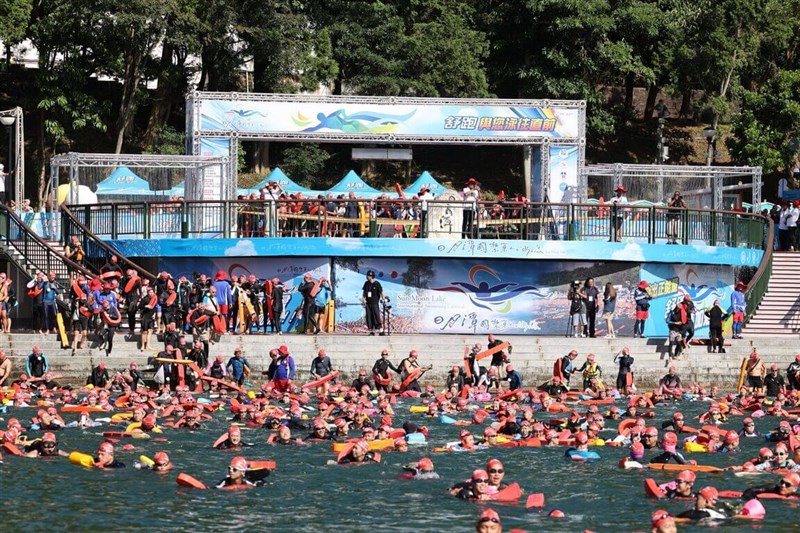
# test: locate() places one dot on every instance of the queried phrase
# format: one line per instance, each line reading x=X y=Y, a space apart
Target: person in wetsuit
x=669 y=442
x=381 y=370
x=237 y=475
x=704 y=506
x=105 y=457
x=47 y=446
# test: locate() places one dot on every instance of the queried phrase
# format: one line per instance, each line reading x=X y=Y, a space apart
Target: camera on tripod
x=387 y=303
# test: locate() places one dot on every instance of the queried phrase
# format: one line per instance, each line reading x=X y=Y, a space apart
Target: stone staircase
x=779 y=311
x=533 y=356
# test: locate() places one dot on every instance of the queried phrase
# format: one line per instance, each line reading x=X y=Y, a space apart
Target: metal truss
x=19 y=153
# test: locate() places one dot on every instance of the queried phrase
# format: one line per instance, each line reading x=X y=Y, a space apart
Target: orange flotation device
x=558 y=407
x=626 y=425
x=133 y=283
x=76 y=288
x=170 y=300
x=111 y=321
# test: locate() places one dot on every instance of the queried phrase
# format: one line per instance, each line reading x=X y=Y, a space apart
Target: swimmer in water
x=105 y=457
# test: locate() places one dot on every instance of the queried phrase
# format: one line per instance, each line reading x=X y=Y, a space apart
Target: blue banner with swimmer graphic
x=310 y=119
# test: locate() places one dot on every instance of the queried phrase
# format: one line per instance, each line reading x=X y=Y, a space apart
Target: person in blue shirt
x=51 y=290
x=238 y=366
x=321 y=299
x=513 y=377
x=284 y=370
x=738 y=307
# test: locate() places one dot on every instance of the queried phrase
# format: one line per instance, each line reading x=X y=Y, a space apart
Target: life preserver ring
x=111 y=274
x=625 y=426
x=111 y=321
x=152 y=303
x=85 y=310
x=198 y=320
x=133 y=283
x=380 y=380
x=78 y=290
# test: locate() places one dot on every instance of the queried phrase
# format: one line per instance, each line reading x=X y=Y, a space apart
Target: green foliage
x=304 y=162
x=15 y=15
x=167 y=141
x=769 y=123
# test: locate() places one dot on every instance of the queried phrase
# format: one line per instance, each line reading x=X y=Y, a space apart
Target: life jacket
x=169 y=301
x=35 y=291
x=591 y=371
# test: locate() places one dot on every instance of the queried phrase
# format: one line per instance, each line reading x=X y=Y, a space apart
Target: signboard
x=304 y=119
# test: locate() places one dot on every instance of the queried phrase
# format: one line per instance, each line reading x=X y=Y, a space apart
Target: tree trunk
x=261 y=158
x=162 y=101
x=686 y=104
x=133 y=63
x=628 y=93
x=40 y=155
x=652 y=94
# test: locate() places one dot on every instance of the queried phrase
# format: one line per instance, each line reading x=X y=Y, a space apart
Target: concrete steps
x=532 y=356
x=778 y=313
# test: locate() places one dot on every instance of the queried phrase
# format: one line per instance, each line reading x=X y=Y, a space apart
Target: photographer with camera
x=675 y=204
x=577 y=310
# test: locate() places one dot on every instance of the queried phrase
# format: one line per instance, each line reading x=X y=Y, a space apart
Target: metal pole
x=11 y=168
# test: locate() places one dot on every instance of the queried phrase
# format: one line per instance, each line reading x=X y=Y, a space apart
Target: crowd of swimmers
x=360 y=420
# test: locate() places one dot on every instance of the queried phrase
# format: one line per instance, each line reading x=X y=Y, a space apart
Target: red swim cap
x=424 y=464
x=670 y=439
x=687 y=475
x=793 y=478
x=49 y=437
x=106 y=447
x=493 y=463
x=582 y=437
x=731 y=436
x=239 y=463
x=161 y=457
x=711 y=494
x=479 y=474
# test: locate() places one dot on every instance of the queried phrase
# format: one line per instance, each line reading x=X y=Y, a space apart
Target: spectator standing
x=716 y=317
x=642 y=297
x=739 y=308
x=609 y=307
x=617 y=213
x=591 y=297
x=5 y=369
x=470 y=195
x=676 y=205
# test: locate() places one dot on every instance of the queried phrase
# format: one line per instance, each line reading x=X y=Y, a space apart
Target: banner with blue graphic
x=310 y=119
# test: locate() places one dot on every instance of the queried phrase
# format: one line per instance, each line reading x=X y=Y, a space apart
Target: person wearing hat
x=422 y=469
x=642 y=297
x=669 y=444
x=371 y=296
x=738 y=308
x=105 y=457
x=756 y=372
x=36 y=364
x=321 y=365
x=662 y=522
x=306 y=288
x=324 y=295
x=47 y=446
x=704 y=506
x=359 y=453
x=671 y=382
x=274 y=307
x=237 y=475
x=477 y=488
x=774 y=382
x=618 y=213
x=99 y=378
x=110 y=318
x=238 y=366
x=793 y=373
x=284 y=370
x=786 y=487
x=489 y=522
x=319 y=432
x=793 y=214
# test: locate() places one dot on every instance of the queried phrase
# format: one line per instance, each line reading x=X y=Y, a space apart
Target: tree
x=766 y=130
x=305 y=162
x=125 y=37
x=15 y=15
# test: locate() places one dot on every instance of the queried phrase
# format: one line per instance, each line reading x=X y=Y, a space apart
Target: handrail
x=757 y=286
x=86 y=236
x=311 y=217
x=36 y=252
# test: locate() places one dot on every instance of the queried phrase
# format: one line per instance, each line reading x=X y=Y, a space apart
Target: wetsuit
x=113 y=464
x=312 y=437
x=667 y=457
x=98 y=378
x=228 y=482
x=700 y=514
x=458 y=381
x=381 y=368
x=309 y=306
x=358 y=383
x=368 y=458
x=625 y=363
x=321 y=366
x=753 y=492
x=774 y=384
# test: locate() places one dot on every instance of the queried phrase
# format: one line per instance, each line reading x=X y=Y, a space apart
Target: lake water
x=307 y=495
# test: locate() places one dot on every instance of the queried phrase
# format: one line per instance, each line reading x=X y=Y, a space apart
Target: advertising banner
x=669 y=284
x=465 y=296
x=314 y=119
x=563 y=174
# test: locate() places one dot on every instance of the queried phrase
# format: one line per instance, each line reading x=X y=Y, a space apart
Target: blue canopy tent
x=123 y=185
x=429 y=182
x=285 y=182
x=352 y=182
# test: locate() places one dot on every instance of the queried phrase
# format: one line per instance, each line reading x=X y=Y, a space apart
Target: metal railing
x=36 y=254
x=757 y=286
x=97 y=252
x=407 y=219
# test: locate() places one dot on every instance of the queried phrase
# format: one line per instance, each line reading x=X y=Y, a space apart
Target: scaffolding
x=701 y=186
x=163 y=173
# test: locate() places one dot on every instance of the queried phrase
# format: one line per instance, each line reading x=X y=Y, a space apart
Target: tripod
x=386 y=312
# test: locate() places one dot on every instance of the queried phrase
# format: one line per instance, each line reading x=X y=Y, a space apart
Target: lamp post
x=711 y=138
x=8 y=122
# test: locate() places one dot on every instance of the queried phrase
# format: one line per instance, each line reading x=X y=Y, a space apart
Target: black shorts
x=147 y=321
x=81 y=324
x=755 y=381
x=319 y=309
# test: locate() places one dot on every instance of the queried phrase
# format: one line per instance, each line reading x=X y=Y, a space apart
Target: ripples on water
x=306 y=495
